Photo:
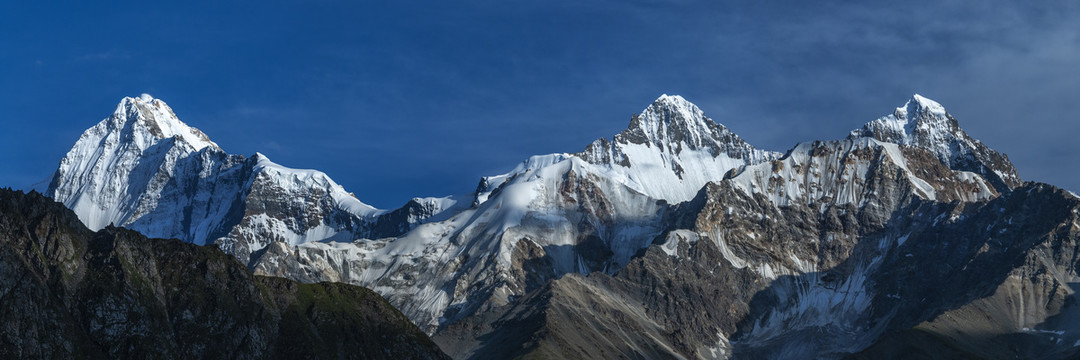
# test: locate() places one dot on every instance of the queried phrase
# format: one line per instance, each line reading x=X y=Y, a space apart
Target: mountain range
x=673 y=239
x=69 y=292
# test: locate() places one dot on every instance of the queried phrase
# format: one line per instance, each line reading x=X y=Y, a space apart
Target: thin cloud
x=111 y=55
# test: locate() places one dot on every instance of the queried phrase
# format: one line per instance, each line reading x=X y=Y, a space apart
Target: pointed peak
x=923 y=100
x=665 y=98
x=671 y=124
x=918 y=118
x=670 y=109
x=158 y=119
x=925 y=124
x=129 y=103
x=671 y=118
x=673 y=101
x=143 y=104
x=919 y=105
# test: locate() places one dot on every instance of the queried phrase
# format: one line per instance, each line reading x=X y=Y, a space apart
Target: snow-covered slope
x=144 y=169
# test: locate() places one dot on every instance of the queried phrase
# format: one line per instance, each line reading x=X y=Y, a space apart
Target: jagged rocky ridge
x=835 y=248
x=68 y=292
x=551 y=215
x=684 y=241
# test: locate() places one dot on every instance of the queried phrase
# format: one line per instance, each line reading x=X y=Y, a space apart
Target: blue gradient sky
x=406 y=98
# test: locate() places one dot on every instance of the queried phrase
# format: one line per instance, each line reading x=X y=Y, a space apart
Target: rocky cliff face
x=69 y=292
x=993 y=281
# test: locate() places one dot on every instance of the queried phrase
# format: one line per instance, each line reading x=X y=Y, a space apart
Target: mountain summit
x=924 y=123
x=671 y=149
x=105 y=174
x=143 y=118
x=671 y=123
x=144 y=169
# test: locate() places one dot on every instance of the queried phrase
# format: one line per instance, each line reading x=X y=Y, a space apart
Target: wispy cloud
x=110 y=55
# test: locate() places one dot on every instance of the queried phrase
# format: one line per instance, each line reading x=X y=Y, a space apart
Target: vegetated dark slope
x=68 y=292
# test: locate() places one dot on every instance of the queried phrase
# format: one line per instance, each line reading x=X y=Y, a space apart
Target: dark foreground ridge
x=68 y=292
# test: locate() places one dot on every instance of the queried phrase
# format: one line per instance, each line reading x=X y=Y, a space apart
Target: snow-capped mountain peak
x=144 y=169
x=158 y=119
x=919 y=120
x=672 y=120
x=923 y=104
x=671 y=150
x=677 y=110
x=109 y=169
x=925 y=124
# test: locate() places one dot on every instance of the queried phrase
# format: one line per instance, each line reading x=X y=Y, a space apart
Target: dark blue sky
x=405 y=98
